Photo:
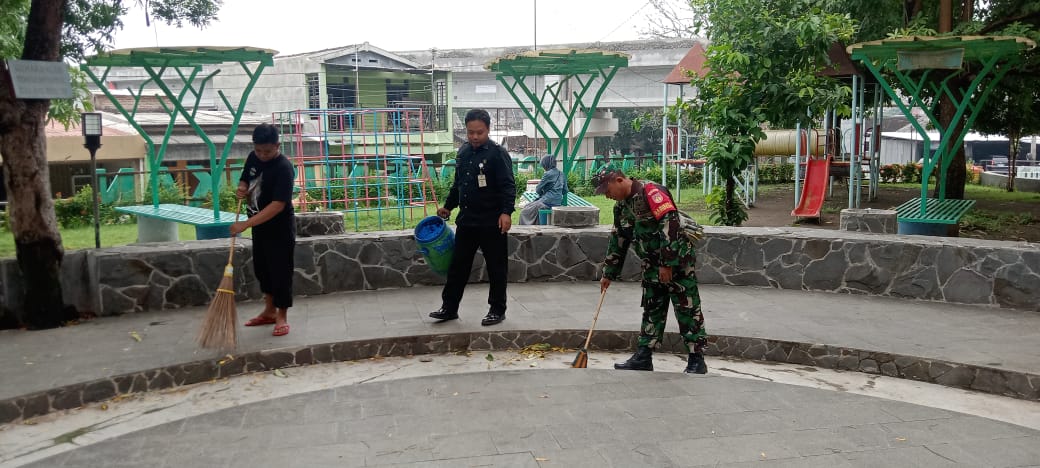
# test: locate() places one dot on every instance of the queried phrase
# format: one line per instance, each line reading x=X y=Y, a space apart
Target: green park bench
x=936 y=211
x=159 y=223
x=570 y=200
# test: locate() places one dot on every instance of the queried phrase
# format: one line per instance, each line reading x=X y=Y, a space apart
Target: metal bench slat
x=936 y=211
x=572 y=199
x=179 y=213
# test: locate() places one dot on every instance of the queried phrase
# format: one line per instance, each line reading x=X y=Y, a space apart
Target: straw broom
x=581 y=361
x=218 y=329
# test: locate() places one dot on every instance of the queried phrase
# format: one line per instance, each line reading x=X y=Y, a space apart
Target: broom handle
x=588 y=339
x=238 y=211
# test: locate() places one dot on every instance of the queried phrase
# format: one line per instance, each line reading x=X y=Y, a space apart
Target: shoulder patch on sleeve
x=660 y=203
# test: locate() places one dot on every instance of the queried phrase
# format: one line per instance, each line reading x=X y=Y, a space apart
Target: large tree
x=764 y=62
x=896 y=18
x=880 y=19
x=53 y=31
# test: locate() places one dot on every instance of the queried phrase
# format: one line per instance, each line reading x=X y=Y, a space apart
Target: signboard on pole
x=35 y=79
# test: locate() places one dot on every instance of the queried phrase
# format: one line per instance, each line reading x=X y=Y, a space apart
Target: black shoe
x=696 y=364
x=444 y=315
x=492 y=318
x=641 y=360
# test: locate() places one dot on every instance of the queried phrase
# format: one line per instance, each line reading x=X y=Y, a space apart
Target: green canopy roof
x=180 y=56
x=975 y=47
x=558 y=62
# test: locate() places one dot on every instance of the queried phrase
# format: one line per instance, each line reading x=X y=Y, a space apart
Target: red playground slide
x=814 y=190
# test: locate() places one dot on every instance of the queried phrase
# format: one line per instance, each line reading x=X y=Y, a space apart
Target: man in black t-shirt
x=267 y=181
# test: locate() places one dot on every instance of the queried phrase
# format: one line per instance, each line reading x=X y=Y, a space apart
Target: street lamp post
x=92 y=134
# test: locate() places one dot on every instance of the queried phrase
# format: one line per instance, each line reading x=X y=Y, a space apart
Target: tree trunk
x=956 y=173
x=23 y=145
x=967 y=10
x=1013 y=148
x=731 y=200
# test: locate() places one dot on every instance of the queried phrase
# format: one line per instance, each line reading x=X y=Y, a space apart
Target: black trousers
x=273 y=267
x=494 y=245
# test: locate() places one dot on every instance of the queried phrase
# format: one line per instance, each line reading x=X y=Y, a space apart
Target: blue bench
x=159 y=223
x=572 y=199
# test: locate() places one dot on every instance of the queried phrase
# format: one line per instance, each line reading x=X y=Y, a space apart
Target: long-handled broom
x=218 y=329
x=581 y=361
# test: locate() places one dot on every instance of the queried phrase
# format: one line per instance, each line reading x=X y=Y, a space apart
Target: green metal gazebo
x=912 y=62
x=588 y=68
x=187 y=63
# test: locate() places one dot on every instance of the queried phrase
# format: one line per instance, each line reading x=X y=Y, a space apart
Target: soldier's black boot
x=641 y=360
x=696 y=364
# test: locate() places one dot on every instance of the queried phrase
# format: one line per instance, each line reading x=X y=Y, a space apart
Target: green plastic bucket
x=436 y=243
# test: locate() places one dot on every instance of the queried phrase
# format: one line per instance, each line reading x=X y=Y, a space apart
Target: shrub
x=890 y=173
x=910 y=173
x=776 y=173
x=78 y=210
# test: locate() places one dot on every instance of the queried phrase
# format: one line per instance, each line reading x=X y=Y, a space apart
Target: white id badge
x=481 y=181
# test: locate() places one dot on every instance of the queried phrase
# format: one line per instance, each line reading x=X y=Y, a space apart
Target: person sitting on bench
x=550 y=191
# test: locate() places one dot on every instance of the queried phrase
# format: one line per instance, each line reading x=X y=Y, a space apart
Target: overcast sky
x=294 y=26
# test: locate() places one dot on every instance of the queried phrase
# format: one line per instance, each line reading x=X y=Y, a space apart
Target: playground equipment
x=358 y=161
x=911 y=61
x=586 y=68
x=158 y=222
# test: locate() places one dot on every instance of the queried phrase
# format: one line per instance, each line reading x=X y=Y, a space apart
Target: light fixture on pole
x=91 y=125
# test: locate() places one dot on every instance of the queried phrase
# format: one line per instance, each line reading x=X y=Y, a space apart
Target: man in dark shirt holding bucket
x=485 y=193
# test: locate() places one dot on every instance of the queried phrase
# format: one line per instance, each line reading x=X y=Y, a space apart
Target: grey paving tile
x=645 y=453
x=961 y=428
x=532 y=439
x=1012 y=451
x=733 y=449
x=910 y=456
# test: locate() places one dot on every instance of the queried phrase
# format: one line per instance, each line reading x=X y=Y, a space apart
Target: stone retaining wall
x=169 y=276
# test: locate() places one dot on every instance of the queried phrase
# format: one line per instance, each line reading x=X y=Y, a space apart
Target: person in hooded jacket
x=550 y=190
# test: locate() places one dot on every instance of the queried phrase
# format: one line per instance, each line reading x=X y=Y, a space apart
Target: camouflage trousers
x=686 y=300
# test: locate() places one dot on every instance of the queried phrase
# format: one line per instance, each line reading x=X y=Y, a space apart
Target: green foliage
x=78 y=210
x=994 y=221
x=890 y=173
x=88 y=29
x=911 y=173
x=723 y=211
x=638 y=130
x=776 y=173
x=580 y=186
x=13 y=16
x=441 y=187
x=521 y=179
x=750 y=85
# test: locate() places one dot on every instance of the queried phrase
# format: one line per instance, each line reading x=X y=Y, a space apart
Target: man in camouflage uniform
x=646 y=218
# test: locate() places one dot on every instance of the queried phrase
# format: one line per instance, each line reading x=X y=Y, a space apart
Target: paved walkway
x=40 y=360
x=569 y=418
x=553 y=417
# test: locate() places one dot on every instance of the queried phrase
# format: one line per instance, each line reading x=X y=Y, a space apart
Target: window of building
x=313 y=93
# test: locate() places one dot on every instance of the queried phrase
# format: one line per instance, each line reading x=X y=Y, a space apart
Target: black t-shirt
x=270 y=181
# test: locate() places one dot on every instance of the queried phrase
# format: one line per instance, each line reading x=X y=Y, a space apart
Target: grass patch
x=978 y=192
x=692 y=202
x=995 y=221
x=83 y=237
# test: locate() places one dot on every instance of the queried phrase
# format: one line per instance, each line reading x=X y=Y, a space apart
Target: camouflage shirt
x=656 y=236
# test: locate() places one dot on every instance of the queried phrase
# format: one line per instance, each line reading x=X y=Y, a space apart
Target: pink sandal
x=259 y=320
x=281 y=330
